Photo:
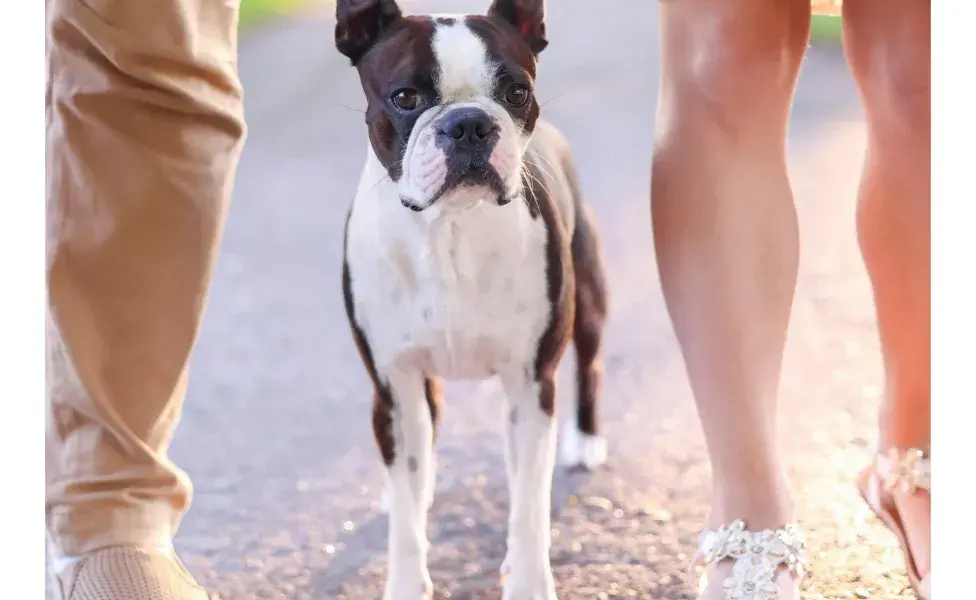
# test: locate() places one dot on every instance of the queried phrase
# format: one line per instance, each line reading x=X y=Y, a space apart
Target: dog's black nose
x=466 y=126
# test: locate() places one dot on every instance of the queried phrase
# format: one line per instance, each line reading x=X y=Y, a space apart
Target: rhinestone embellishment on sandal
x=907 y=471
x=756 y=556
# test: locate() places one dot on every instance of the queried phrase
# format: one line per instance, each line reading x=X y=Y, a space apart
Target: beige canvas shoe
x=126 y=573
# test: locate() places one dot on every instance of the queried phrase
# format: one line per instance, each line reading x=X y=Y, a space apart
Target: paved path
x=276 y=430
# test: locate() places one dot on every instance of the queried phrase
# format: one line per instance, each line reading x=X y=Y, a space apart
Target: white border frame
x=22 y=229
x=22 y=233
x=953 y=293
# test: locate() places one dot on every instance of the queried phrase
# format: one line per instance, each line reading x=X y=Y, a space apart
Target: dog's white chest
x=462 y=296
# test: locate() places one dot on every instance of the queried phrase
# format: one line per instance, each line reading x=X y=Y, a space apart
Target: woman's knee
x=732 y=63
x=888 y=49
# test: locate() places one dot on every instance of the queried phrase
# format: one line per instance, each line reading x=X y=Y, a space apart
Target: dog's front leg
x=404 y=431
x=530 y=446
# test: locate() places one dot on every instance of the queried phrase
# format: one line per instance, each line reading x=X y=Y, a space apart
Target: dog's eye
x=406 y=99
x=517 y=94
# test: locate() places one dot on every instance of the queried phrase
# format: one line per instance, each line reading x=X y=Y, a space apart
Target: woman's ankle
x=761 y=505
x=905 y=416
x=905 y=434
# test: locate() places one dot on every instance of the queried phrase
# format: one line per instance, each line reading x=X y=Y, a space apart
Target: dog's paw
x=578 y=449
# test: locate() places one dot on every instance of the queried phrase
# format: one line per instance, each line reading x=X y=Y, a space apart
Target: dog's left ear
x=359 y=24
x=527 y=16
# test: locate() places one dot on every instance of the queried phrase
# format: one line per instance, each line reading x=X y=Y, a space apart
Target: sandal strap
x=756 y=556
x=905 y=470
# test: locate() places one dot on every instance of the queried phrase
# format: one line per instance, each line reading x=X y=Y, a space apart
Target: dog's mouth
x=461 y=188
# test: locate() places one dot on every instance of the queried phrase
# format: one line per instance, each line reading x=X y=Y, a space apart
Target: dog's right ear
x=527 y=16
x=359 y=24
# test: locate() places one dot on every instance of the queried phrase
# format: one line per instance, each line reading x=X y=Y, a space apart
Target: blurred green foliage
x=253 y=11
x=825 y=29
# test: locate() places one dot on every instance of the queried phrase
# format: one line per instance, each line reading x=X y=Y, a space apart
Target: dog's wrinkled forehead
x=465 y=69
x=458 y=57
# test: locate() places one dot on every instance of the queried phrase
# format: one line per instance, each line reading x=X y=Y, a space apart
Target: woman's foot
x=752 y=565
x=897 y=486
x=916 y=515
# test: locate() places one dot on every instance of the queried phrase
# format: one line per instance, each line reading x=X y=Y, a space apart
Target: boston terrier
x=468 y=255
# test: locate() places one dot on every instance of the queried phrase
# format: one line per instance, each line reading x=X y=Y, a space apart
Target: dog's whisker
x=542 y=169
x=527 y=173
x=549 y=162
x=541 y=184
x=387 y=176
x=346 y=106
x=532 y=202
x=556 y=96
x=382 y=179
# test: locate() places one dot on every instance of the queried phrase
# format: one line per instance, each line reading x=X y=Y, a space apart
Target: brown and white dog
x=468 y=255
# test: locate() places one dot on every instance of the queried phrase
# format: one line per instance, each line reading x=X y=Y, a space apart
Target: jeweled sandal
x=757 y=557
x=907 y=471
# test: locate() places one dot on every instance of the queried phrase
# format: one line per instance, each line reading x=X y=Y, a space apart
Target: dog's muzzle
x=467 y=136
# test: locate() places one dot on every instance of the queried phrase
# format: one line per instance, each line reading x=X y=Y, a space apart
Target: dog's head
x=451 y=102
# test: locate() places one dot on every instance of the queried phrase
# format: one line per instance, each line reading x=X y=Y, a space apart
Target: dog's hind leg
x=433 y=393
x=581 y=443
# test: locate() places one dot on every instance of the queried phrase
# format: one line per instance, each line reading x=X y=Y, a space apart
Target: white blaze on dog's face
x=451 y=105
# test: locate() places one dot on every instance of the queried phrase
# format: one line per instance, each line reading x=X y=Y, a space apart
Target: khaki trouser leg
x=145 y=127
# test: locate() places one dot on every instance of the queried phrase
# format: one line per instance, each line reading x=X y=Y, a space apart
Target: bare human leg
x=726 y=235
x=888 y=48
